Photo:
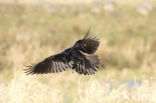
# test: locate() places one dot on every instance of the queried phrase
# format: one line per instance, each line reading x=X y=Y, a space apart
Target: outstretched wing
x=87 y=65
x=52 y=64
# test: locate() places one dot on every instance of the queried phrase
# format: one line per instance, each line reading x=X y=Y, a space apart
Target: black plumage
x=73 y=57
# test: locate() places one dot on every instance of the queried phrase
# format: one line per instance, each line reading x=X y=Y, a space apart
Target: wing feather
x=52 y=64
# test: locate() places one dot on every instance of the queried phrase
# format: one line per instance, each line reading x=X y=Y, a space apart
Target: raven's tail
x=88 y=66
x=94 y=61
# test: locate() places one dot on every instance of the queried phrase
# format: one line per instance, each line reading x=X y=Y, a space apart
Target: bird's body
x=73 y=57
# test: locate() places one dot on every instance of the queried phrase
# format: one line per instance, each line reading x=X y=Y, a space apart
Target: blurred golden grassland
x=119 y=2
x=30 y=33
x=73 y=89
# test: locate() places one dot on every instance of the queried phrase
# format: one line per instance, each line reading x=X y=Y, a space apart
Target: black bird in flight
x=73 y=57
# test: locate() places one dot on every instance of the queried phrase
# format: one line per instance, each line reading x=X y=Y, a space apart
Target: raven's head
x=87 y=44
x=78 y=44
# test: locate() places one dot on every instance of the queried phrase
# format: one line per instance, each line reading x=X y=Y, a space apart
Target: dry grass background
x=127 y=53
x=120 y=2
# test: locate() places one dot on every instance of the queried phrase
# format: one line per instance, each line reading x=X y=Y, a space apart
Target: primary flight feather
x=73 y=57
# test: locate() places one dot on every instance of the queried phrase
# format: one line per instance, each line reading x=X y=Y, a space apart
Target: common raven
x=73 y=57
